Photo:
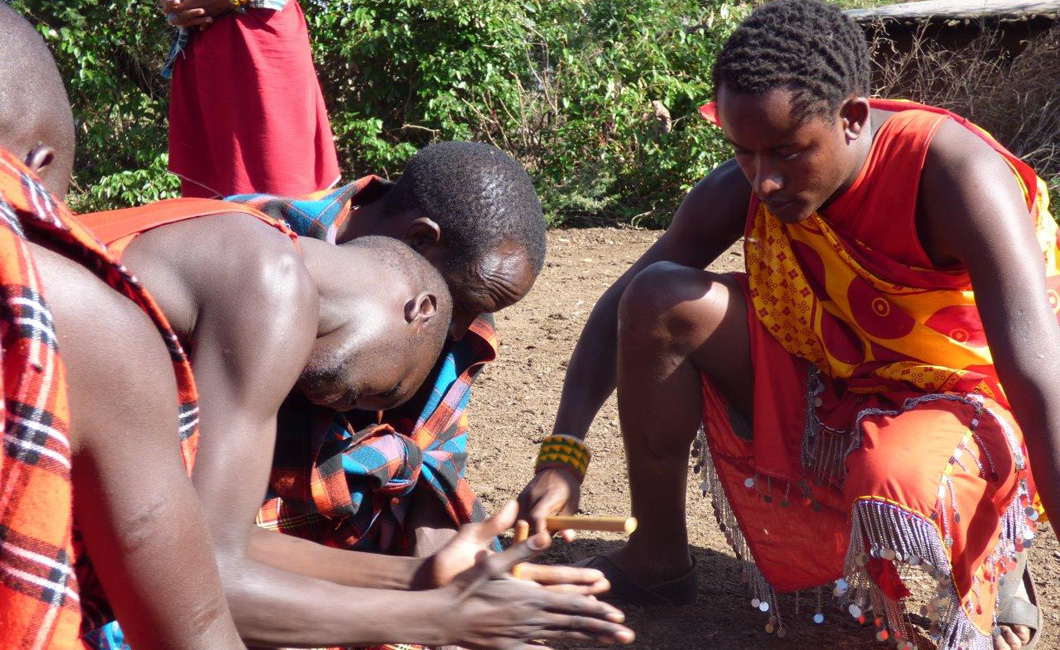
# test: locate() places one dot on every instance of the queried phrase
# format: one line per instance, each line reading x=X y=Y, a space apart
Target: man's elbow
x=1031 y=386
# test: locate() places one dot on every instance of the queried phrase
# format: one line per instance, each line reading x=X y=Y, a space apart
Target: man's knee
x=670 y=300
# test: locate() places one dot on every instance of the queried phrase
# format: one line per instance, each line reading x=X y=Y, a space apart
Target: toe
x=1023 y=633
x=1011 y=640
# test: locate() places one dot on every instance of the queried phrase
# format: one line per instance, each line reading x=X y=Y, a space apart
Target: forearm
x=350 y=568
x=277 y=608
x=591 y=374
x=1026 y=351
x=146 y=568
x=1036 y=405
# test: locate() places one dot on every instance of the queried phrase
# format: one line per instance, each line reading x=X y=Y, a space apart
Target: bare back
x=237 y=294
x=138 y=513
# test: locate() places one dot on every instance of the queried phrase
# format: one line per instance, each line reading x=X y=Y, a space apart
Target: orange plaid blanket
x=39 y=595
x=39 y=601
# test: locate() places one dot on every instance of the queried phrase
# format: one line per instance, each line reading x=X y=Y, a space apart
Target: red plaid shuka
x=39 y=601
x=27 y=208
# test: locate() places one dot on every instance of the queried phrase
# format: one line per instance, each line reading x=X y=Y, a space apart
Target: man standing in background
x=246 y=112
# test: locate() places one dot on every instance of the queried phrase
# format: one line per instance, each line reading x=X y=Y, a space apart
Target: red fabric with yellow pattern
x=875 y=391
x=859 y=315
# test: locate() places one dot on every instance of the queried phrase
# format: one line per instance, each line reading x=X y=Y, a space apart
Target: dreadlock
x=806 y=46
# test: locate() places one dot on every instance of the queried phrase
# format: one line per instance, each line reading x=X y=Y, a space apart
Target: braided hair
x=806 y=46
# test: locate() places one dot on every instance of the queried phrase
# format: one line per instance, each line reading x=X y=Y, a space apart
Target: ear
x=854 y=115
x=421 y=308
x=39 y=158
x=423 y=233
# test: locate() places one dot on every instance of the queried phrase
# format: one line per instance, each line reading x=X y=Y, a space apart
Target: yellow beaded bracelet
x=239 y=5
x=566 y=452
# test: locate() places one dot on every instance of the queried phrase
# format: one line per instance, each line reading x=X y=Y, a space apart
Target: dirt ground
x=512 y=408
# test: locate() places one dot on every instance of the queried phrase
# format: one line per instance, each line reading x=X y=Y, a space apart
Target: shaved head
x=36 y=124
x=409 y=264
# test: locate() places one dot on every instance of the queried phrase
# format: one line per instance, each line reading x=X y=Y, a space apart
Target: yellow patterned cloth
x=844 y=311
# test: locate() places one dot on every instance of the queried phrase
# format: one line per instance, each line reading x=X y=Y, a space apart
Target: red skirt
x=834 y=486
x=246 y=113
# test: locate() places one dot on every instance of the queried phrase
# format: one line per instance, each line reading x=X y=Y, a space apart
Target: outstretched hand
x=493 y=610
x=470 y=545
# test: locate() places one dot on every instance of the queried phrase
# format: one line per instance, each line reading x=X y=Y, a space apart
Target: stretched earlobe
x=39 y=158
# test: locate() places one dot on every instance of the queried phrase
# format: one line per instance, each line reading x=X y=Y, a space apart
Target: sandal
x=682 y=590
x=1013 y=609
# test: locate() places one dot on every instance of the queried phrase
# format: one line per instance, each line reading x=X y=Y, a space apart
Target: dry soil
x=512 y=408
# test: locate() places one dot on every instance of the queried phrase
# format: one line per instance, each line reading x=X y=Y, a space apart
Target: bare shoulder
x=256 y=310
x=958 y=159
x=229 y=261
x=114 y=355
x=260 y=261
x=969 y=198
x=257 y=278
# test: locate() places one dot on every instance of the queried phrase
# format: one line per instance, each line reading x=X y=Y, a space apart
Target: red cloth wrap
x=246 y=113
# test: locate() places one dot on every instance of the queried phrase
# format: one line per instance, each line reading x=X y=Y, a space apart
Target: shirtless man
x=472 y=211
x=901 y=268
x=355 y=326
x=100 y=418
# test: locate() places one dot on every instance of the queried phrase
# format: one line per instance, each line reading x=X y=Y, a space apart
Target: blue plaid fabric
x=346 y=480
x=319 y=215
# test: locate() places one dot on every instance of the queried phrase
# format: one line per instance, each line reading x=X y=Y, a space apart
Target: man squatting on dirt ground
x=97 y=414
x=478 y=605
x=901 y=267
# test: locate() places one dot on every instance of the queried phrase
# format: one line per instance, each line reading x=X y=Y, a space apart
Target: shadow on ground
x=723 y=616
x=513 y=406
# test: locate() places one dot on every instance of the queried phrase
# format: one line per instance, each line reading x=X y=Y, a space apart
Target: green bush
x=110 y=55
x=567 y=87
x=597 y=98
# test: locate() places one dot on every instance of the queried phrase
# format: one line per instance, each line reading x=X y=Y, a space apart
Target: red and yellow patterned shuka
x=882 y=438
x=36 y=551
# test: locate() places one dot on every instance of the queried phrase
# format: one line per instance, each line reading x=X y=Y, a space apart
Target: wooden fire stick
x=624 y=525
x=522 y=531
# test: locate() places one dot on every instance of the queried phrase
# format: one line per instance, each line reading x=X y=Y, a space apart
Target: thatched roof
x=959 y=10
